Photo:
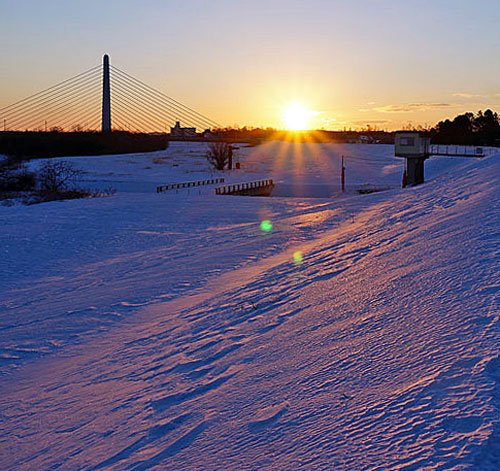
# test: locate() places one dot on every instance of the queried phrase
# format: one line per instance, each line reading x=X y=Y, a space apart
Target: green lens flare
x=298 y=257
x=266 y=226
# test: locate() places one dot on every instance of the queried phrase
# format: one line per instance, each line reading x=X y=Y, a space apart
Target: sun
x=296 y=117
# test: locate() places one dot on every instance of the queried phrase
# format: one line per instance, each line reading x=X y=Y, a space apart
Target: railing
x=458 y=151
x=245 y=187
x=178 y=186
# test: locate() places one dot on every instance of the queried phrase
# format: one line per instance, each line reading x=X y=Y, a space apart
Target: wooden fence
x=178 y=186
x=257 y=188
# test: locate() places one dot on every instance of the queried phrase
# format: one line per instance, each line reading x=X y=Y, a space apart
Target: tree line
x=30 y=144
x=481 y=128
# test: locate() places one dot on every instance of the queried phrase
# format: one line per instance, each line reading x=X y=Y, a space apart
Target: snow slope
x=67 y=269
x=378 y=351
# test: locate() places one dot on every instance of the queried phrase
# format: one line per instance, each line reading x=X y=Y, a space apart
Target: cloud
x=406 y=108
x=370 y=104
x=372 y=121
x=468 y=95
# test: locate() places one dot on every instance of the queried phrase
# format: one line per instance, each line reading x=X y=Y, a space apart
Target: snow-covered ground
x=167 y=331
x=305 y=170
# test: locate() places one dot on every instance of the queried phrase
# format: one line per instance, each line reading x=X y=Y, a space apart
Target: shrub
x=54 y=181
x=15 y=177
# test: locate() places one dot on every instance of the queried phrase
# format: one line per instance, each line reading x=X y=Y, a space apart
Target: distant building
x=208 y=134
x=182 y=133
x=361 y=139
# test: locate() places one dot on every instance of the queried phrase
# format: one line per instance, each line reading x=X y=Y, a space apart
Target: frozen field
x=167 y=331
x=304 y=170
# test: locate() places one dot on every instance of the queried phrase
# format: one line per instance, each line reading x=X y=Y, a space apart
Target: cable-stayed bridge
x=103 y=98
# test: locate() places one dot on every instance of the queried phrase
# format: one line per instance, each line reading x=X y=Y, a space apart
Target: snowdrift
x=378 y=351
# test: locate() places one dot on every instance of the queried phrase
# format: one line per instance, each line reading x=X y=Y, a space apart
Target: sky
x=349 y=63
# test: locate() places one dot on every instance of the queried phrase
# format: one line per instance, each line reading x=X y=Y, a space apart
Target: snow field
x=378 y=351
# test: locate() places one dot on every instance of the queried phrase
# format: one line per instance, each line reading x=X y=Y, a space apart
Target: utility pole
x=106 y=96
x=342 y=176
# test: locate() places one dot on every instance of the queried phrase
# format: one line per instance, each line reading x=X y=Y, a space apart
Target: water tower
x=415 y=148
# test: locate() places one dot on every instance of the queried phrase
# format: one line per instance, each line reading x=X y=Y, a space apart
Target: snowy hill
x=148 y=331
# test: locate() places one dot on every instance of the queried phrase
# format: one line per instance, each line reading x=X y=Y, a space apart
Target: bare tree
x=219 y=155
x=57 y=176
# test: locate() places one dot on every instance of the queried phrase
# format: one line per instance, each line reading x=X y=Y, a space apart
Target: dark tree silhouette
x=220 y=155
x=487 y=124
x=483 y=128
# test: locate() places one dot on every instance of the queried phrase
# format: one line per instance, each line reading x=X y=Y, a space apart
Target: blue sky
x=384 y=62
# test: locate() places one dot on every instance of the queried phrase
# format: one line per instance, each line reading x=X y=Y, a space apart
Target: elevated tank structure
x=415 y=149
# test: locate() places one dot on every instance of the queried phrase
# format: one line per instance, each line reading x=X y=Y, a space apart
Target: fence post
x=342 y=176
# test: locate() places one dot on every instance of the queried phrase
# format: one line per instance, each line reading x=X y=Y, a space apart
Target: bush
x=57 y=176
x=54 y=181
x=70 y=194
x=219 y=155
x=15 y=177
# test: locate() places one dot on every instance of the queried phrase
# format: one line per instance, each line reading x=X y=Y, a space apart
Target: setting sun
x=296 y=117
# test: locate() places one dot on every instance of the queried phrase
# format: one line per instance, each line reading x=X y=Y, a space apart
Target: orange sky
x=379 y=62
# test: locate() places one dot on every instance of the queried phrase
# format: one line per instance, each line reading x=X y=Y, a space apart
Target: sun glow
x=296 y=117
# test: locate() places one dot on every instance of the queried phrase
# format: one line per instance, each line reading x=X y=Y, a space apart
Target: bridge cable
x=208 y=120
x=56 y=107
x=47 y=106
x=44 y=92
x=149 y=96
x=82 y=120
x=78 y=113
x=143 y=120
x=153 y=113
x=137 y=97
x=33 y=106
x=166 y=106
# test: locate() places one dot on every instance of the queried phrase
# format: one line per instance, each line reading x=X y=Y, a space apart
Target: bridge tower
x=106 y=96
